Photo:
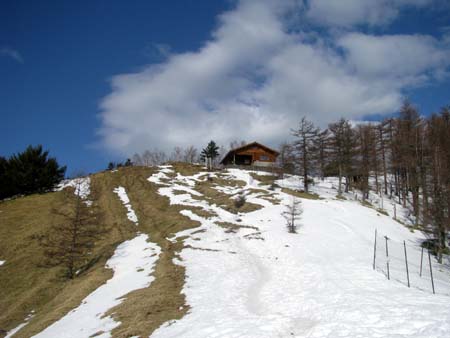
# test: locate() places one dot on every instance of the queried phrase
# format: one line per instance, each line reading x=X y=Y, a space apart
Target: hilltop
x=181 y=258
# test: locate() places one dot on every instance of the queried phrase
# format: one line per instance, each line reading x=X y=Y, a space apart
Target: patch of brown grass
x=271 y=199
x=301 y=194
x=223 y=181
x=186 y=169
x=265 y=179
x=221 y=199
x=233 y=228
x=256 y=191
x=201 y=212
x=366 y=204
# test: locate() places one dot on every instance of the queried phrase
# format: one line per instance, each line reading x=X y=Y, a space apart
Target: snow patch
x=121 y=192
x=82 y=186
x=133 y=262
x=158 y=177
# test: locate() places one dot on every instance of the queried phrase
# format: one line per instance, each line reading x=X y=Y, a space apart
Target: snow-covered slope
x=246 y=276
x=262 y=281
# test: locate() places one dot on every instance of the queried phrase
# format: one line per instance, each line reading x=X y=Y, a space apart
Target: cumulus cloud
x=408 y=59
x=11 y=53
x=256 y=77
x=346 y=13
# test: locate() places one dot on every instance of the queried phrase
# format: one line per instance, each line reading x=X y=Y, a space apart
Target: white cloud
x=410 y=59
x=11 y=53
x=346 y=13
x=254 y=79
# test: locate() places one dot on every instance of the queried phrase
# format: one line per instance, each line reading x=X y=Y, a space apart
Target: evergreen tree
x=210 y=152
x=32 y=171
x=6 y=188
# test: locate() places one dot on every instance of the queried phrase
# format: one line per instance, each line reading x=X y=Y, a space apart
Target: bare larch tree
x=72 y=237
x=293 y=214
x=305 y=144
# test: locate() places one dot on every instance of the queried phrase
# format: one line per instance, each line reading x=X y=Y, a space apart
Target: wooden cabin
x=253 y=153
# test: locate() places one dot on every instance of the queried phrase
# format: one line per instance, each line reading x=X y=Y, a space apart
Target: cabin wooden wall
x=258 y=154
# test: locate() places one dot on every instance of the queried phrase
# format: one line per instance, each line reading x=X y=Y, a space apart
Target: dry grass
x=201 y=212
x=265 y=179
x=187 y=169
x=271 y=199
x=256 y=191
x=382 y=211
x=223 y=181
x=233 y=228
x=221 y=199
x=366 y=204
x=301 y=194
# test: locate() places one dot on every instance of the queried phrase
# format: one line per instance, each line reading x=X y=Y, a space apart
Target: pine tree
x=210 y=153
x=32 y=171
x=6 y=188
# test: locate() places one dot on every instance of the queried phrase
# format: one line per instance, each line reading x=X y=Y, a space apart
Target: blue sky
x=95 y=81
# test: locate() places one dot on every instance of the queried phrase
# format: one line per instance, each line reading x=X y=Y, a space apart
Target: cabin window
x=264 y=158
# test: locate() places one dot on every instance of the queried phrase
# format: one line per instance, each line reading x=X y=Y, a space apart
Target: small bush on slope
x=239 y=201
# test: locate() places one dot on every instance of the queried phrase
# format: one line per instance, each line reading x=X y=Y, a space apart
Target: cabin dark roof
x=248 y=145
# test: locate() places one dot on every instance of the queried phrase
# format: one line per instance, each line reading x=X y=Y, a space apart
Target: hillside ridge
x=318 y=282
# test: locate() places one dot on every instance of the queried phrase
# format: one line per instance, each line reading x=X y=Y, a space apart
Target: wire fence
x=408 y=263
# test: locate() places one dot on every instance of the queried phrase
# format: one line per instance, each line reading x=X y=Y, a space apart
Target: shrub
x=239 y=201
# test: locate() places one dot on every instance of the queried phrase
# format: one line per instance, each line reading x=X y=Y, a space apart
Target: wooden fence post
x=431 y=270
x=387 y=257
x=406 y=261
x=375 y=249
x=421 y=260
